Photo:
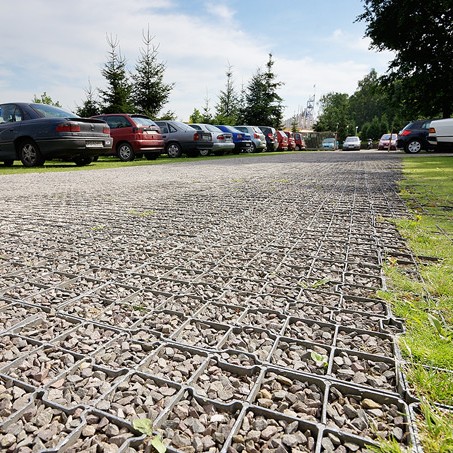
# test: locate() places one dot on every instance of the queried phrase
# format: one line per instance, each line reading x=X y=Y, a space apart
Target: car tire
x=251 y=148
x=29 y=154
x=413 y=146
x=204 y=152
x=173 y=150
x=125 y=152
x=8 y=162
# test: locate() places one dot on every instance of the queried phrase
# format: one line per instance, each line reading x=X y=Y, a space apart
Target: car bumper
x=74 y=147
x=242 y=146
x=145 y=146
x=223 y=147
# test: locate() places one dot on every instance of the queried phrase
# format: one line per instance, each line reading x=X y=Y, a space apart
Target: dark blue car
x=242 y=141
x=34 y=133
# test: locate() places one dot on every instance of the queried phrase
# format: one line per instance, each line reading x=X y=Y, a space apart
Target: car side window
x=10 y=114
x=171 y=128
x=163 y=129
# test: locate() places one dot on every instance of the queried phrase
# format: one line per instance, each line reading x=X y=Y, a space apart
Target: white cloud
x=61 y=50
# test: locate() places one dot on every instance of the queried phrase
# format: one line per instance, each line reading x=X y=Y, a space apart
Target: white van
x=441 y=134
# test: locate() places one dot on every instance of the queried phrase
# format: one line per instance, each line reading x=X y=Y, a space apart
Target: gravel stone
x=256 y=263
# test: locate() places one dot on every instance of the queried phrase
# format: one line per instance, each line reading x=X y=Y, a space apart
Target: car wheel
x=29 y=154
x=251 y=148
x=413 y=147
x=174 y=150
x=125 y=152
x=204 y=152
x=82 y=161
x=8 y=162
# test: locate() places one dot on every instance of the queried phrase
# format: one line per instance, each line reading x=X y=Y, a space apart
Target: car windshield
x=328 y=140
x=50 y=111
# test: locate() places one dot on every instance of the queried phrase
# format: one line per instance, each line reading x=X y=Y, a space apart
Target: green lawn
x=426 y=303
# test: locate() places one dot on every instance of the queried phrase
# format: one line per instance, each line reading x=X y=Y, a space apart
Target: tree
x=335 y=115
x=227 y=108
x=262 y=104
x=45 y=99
x=116 y=99
x=421 y=36
x=90 y=106
x=150 y=93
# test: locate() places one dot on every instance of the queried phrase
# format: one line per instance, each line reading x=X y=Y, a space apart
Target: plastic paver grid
x=234 y=304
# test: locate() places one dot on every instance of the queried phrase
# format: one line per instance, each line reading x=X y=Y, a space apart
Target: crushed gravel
x=234 y=302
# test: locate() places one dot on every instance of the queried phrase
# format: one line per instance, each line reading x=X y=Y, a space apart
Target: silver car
x=258 y=138
x=222 y=141
x=181 y=138
x=352 y=142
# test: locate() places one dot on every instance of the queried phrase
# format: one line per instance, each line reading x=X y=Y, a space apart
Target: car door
x=10 y=125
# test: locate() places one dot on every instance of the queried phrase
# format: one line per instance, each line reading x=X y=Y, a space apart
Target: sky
x=60 y=48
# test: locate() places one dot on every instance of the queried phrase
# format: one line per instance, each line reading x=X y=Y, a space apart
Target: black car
x=414 y=137
x=35 y=133
x=271 y=138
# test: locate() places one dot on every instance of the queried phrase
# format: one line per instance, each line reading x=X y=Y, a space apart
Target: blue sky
x=57 y=48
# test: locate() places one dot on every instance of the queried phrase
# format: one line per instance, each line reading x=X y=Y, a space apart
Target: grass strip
x=425 y=299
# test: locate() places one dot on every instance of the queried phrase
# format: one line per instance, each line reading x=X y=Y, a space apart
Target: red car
x=291 y=141
x=133 y=136
x=300 y=142
x=282 y=141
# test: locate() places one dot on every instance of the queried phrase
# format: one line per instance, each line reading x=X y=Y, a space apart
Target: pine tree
x=116 y=99
x=90 y=106
x=262 y=104
x=150 y=93
x=227 y=108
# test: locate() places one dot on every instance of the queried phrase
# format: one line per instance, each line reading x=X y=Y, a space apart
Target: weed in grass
x=147 y=213
x=387 y=446
x=433 y=384
x=435 y=428
x=153 y=443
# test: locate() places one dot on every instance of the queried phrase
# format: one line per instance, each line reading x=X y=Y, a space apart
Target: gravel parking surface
x=233 y=302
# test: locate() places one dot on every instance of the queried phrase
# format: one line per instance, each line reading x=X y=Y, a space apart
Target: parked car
x=222 y=141
x=440 y=135
x=414 y=136
x=291 y=141
x=271 y=138
x=351 y=142
x=181 y=138
x=242 y=141
x=387 y=140
x=300 y=141
x=34 y=133
x=257 y=136
x=282 y=141
x=329 y=143
x=133 y=136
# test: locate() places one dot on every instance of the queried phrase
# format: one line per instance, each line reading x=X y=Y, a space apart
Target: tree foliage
x=90 y=106
x=421 y=36
x=149 y=93
x=227 y=107
x=117 y=97
x=335 y=116
x=45 y=99
x=262 y=104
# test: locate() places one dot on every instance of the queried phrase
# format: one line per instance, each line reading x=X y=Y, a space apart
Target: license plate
x=94 y=144
x=247 y=144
